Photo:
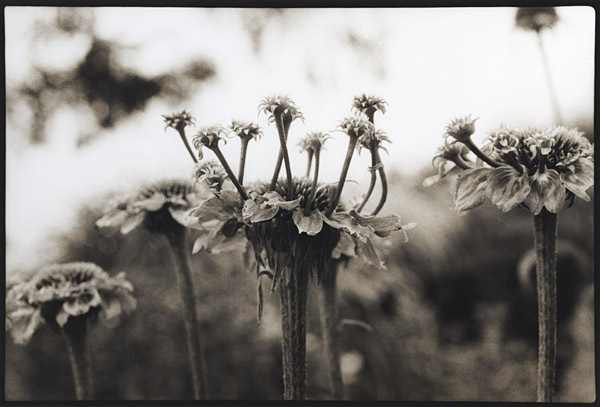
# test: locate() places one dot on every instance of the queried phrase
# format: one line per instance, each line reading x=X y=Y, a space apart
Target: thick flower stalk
x=298 y=230
x=179 y=121
x=163 y=209
x=539 y=170
x=68 y=297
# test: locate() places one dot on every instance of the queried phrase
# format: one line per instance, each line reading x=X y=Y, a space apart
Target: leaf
x=507 y=188
x=311 y=224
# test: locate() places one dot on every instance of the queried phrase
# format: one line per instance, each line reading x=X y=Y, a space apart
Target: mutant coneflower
x=68 y=298
x=296 y=227
x=539 y=170
x=162 y=208
x=538 y=20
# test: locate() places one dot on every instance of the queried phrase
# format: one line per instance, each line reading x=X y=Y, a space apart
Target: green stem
x=293 y=296
x=551 y=90
x=330 y=328
x=187 y=145
x=373 y=179
x=545 y=231
x=177 y=240
x=313 y=191
x=286 y=158
x=338 y=192
x=74 y=333
x=230 y=173
x=243 y=152
x=384 y=186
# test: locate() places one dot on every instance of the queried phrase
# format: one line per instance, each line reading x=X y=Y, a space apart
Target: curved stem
x=243 y=152
x=286 y=129
x=545 y=230
x=338 y=192
x=373 y=179
x=471 y=146
x=283 y=151
x=330 y=328
x=310 y=156
x=177 y=241
x=313 y=191
x=384 y=186
x=293 y=296
x=74 y=333
x=551 y=90
x=230 y=173
x=187 y=145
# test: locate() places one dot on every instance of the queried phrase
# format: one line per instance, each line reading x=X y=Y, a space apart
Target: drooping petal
x=182 y=216
x=367 y=252
x=253 y=212
x=216 y=242
x=62 y=317
x=273 y=198
x=381 y=225
x=546 y=190
x=222 y=207
x=507 y=187
x=344 y=221
x=311 y=224
x=111 y=307
x=113 y=218
x=579 y=177
x=345 y=246
x=471 y=188
x=152 y=204
x=23 y=323
x=132 y=221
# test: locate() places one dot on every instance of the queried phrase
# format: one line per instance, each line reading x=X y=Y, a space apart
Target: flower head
x=357 y=125
x=369 y=104
x=158 y=206
x=313 y=141
x=536 y=18
x=446 y=155
x=209 y=137
x=537 y=168
x=281 y=106
x=63 y=291
x=178 y=121
x=373 y=140
x=461 y=128
x=246 y=130
x=210 y=174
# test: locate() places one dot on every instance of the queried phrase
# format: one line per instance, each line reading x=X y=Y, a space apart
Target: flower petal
x=222 y=207
x=367 y=252
x=311 y=224
x=216 y=242
x=381 y=225
x=507 y=187
x=23 y=323
x=546 y=190
x=253 y=212
x=113 y=218
x=471 y=188
x=344 y=221
x=152 y=204
x=182 y=216
x=132 y=221
x=345 y=246
x=579 y=177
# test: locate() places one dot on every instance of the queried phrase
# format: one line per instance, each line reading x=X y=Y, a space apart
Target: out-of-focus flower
x=157 y=206
x=448 y=154
x=210 y=174
x=536 y=168
x=59 y=292
x=314 y=140
x=536 y=18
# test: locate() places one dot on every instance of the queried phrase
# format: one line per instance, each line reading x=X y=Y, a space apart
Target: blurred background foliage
x=449 y=319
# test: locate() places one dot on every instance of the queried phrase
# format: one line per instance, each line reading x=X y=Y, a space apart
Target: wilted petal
x=507 y=187
x=216 y=242
x=113 y=218
x=471 y=188
x=152 y=204
x=546 y=190
x=23 y=323
x=253 y=212
x=62 y=317
x=344 y=221
x=345 y=246
x=273 y=198
x=579 y=177
x=311 y=224
x=222 y=207
x=132 y=222
x=382 y=225
x=182 y=216
x=367 y=252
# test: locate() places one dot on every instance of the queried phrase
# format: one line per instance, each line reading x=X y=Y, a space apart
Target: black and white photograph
x=266 y=204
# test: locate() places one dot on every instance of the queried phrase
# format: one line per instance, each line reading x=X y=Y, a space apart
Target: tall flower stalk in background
x=538 y=170
x=538 y=19
x=162 y=208
x=297 y=228
x=68 y=297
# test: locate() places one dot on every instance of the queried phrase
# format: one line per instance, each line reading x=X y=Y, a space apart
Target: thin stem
x=230 y=173
x=74 y=333
x=373 y=150
x=551 y=90
x=243 y=152
x=286 y=128
x=471 y=146
x=187 y=145
x=286 y=158
x=330 y=328
x=338 y=192
x=313 y=191
x=384 y=186
x=177 y=241
x=310 y=157
x=545 y=230
x=293 y=295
